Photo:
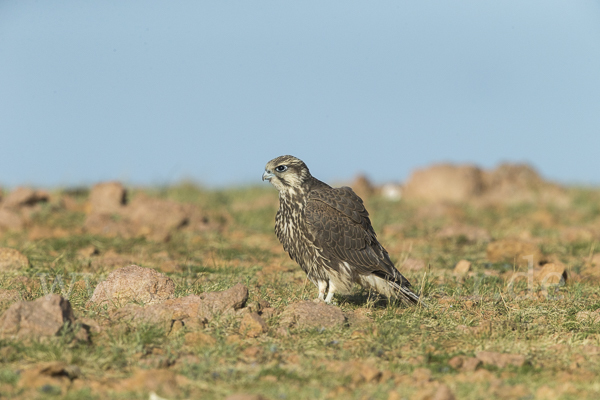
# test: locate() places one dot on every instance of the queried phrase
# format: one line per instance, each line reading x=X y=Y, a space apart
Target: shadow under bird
x=327 y=231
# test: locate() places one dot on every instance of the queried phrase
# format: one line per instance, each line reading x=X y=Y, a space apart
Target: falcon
x=327 y=231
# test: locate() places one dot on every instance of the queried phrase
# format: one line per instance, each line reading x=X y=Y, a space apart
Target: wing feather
x=339 y=224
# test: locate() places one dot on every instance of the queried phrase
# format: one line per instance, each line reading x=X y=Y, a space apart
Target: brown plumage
x=327 y=231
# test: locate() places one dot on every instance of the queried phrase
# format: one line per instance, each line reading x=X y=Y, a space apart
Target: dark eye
x=281 y=168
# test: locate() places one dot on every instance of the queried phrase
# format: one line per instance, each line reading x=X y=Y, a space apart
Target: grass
x=464 y=315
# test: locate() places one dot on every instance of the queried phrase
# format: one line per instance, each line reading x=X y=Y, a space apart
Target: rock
x=245 y=396
x=308 y=314
x=253 y=325
x=501 y=360
x=45 y=316
x=10 y=219
x=192 y=310
x=443 y=392
x=133 y=284
x=471 y=234
x=12 y=260
x=23 y=197
x=520 y=183
x=154 y=218
x=462 y=267
x=227 y=301
x=444 y=182
x=551 y=273
x=49 y=374
x=513 y=250
x=107 y=198
x=88 y=251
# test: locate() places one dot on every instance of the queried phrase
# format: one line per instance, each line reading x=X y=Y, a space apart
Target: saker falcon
x=328 y=232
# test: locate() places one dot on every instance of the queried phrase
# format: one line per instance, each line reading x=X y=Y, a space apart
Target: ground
x=484 y=332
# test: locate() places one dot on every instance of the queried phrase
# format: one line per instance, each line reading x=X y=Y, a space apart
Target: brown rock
x=245 y=396
x=22 y=197
x=10 y=219
x=227 y=301
x=551 y=273
x=443 y=392
x=513 y=250
x=192 y=310
x=253 y=325
x=133 y=284
x=53 y=373
x=462 y=267
x=444 y=182
x=308 y=314
x=11 y=260
x=107 y=198
x=155 y=218
x=45 y=316
x=501 y=360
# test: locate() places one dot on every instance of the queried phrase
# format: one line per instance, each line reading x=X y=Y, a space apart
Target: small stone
x=253 y=325
x=462 y=267
x=45 y=316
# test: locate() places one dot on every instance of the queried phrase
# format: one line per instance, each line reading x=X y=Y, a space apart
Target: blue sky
x=154 y=92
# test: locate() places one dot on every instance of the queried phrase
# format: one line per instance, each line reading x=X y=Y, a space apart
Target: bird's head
x=286 y=173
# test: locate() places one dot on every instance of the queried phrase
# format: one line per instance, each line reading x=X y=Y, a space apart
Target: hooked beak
x=267 y=175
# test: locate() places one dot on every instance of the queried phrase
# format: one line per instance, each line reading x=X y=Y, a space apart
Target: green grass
x=463 y=315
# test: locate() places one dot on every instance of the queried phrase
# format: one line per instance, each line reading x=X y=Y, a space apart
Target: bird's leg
x=322 y=289
x=332 y=289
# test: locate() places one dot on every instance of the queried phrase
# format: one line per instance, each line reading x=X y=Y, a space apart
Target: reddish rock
x=11 y=260
x=192 y=310
x=23 y=197
x=156 y=218
x=462 y=267
x=133 y=284
x=444 y=182
x=253 y=325
x=11 y=220
x=309 y=314
x=107 y=198
x=45 y=316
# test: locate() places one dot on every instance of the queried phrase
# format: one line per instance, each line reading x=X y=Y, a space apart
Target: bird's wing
x=339 y=224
